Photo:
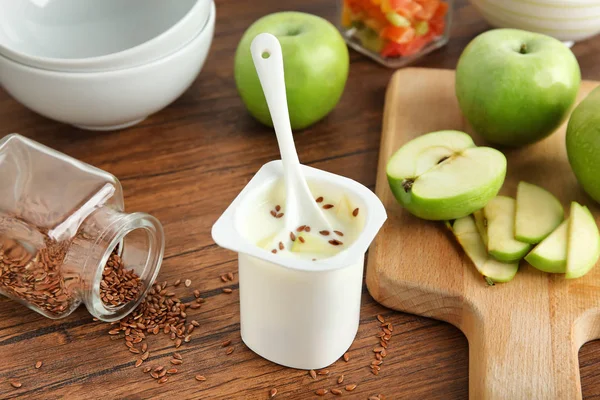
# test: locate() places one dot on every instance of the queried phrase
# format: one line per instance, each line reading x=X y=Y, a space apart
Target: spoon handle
x=268 y=60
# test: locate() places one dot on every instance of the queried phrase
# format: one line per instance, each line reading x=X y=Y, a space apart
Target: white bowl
x=97 y=35
x=112 y=99
x=571 y=20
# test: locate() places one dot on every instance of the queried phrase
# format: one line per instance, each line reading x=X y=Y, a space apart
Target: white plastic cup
x=299 y=313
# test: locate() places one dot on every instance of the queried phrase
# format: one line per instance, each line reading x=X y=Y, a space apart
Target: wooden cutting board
x=524 y=336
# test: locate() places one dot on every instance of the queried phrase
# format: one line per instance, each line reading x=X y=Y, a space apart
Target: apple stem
x=523 y=49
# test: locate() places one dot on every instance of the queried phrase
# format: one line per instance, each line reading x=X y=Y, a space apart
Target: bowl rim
x=87 y=64
x=209 y=25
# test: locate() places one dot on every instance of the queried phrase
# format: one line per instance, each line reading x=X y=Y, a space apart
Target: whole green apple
x=315 y=62
x=583 y=143
x=516 y=87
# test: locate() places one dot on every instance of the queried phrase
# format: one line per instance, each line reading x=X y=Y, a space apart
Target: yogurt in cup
x=300 y=307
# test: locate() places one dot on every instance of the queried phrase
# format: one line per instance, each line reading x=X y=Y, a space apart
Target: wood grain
x=524 y=335
x=184 y=165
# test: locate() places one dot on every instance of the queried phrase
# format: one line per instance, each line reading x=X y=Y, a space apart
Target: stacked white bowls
x=566 y=20
x=102 y=64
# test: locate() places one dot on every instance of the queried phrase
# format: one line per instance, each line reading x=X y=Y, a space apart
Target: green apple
x=313 y=244
x=551 y=254
x=583 y=242
x=538 y=213
x=583 y=143
x=499 y=215
x=481 y=225
x=516 y=87
x=444 y=176
x=316 y=64
x=470 y=240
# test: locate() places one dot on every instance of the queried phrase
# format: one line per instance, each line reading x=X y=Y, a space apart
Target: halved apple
x=466 y=233
x=538 y=213
x=551 y=255
x=444 y=176
x=583 y=242
x=499 y=215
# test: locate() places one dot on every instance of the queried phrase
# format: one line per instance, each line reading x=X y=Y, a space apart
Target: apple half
x=444 y=176
x=551 y=254
x=468 y=237
x=499 y=215
x=583 y=242
x=538 y=213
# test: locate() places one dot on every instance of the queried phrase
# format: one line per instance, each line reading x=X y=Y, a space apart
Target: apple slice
x=551 y=255
x=444 y=176
x=470 y=240
x=538 y=213
x=499 y=214
x=481 y=225
x=583 y=242
x=314 y=245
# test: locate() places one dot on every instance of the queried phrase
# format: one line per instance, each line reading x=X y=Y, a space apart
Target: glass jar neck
x=137 y=238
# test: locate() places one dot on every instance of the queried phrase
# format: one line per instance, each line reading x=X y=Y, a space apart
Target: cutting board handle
x=523 y=361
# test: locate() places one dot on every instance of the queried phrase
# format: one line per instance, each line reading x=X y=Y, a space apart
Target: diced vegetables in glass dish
x=395 y=32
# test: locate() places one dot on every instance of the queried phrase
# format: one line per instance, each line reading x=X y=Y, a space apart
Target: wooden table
x=184 y=165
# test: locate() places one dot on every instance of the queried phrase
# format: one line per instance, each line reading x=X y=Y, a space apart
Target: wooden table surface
x=184 y=165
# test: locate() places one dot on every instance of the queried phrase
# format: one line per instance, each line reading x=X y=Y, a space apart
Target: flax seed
x=200 y=378
x=144 y=347
x=383 y=353
x=38 y=365
x=147 y=369
x=163 y=379
x=378 y=350
x=134 y=350
x=307 y=229
x=226 y=343
x=273 y=213
x=188 y=282
x=383 y=344
x=340 y=379
x=335 y=242
x=300 y=228
x=337 y=392
x=177 y=343
x=281 y=247
x=390 y=327
x=312 y=373
x=346 y=357
x=355 y=212
x=279 y=215
x=154 y=375
x=230 y=276
x=223 y=278
x=227 y=290
x=177 y=356
x=350 y=388
x=328 y=206
x=386 y=337
x=380 y=318
x=321 y=392
x=174 y=361
x=324 y=233
x=277 y=208
x=319 y=199
x=387 y=331
x=114 y=331
x=274 y=251
x=172 y=371
x=301 y=239
x=376 y=362
x=292 y=237
x=138 y=362
x=177 y=282
x=195 y=323
x=229 y=351
x=159 y=369
x=323 y=372
x=273 y=393
x=195 y=306
x=16 y=384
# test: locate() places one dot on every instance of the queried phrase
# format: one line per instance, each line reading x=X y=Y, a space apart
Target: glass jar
x=395 y=32
x=64 y=238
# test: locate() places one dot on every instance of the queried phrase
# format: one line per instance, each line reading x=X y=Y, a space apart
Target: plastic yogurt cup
x=297 y=311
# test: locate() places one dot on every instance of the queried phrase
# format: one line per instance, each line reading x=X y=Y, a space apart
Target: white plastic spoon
x=300 y=206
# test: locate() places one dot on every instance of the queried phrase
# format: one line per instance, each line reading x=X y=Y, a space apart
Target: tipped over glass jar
x=65 y=238
x=395 y=33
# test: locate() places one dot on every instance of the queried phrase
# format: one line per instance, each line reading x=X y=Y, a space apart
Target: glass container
x=395 y=33
x=64 y=233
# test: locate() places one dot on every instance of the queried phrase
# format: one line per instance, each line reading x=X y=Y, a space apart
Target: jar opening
x=127 y=268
